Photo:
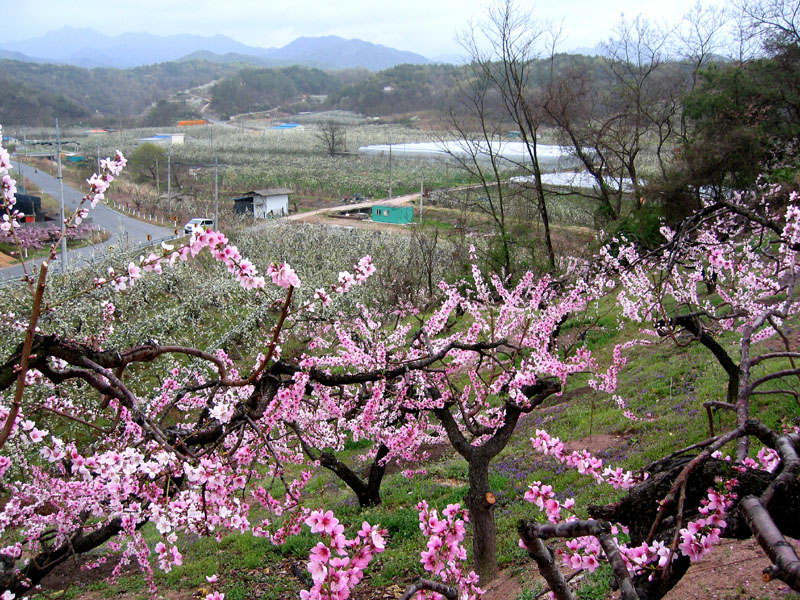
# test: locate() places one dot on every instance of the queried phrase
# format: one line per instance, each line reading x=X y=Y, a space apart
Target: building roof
x=272 y=192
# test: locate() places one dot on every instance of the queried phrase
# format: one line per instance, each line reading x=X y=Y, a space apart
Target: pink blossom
x=283 y=275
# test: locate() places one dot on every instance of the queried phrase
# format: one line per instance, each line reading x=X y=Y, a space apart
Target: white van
x=200 y=222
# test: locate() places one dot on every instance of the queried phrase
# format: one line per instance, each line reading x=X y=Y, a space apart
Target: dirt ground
x=367 y=224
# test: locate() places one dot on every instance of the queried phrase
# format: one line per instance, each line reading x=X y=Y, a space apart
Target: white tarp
x=551 y=158
x=579 y=181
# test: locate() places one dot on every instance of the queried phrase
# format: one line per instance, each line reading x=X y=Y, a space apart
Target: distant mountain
x=338 y=53
x=35 y=93
x=230 y=58
x=88 y=48
x=9 y=55
x=451 y=59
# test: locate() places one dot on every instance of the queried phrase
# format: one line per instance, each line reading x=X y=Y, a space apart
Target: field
x=197 y=304
x=253 y=156
x=658 y=381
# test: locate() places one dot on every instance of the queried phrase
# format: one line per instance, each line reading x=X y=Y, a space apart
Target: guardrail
x=84 y=262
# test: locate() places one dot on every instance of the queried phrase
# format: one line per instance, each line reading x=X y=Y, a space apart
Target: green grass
x=672 y=385
x=669 y=383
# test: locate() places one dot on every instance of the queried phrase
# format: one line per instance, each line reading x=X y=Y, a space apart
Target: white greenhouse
x=551 y=158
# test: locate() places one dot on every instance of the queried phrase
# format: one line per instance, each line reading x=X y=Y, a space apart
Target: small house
x=263 y=204
x=29 y=206
x=399 y=215
x=165 y=139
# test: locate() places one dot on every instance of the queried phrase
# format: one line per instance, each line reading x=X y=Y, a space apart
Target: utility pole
x=158 y=188
x=19 y=164
x=421 y=194
x=169 y=177
x=61 y=203
x=24 y=143
x=216 y=182
x=216 y=194
x=390 y=169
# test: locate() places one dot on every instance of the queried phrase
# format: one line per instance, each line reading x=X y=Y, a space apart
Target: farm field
x=533 y=380
x=669 y=388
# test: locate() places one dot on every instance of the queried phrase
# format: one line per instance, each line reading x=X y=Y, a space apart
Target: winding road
x=125 y=232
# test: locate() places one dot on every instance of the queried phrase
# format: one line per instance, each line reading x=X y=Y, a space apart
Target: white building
x=264 y=204
x=165 y=139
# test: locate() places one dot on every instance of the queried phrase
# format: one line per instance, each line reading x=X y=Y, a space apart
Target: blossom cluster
x=585 y=552
x=7 y=184
x=364 y=268
x=337 y=564
x=445 y=555
x=767 y=459
x=584 y=462
x=700 y=535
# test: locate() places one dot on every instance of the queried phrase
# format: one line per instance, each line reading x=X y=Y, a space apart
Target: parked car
x=198 y=221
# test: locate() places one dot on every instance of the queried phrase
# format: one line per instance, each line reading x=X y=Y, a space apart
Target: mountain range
x=87 y=48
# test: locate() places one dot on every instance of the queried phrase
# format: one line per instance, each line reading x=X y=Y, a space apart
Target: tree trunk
x=375 y=478
x=480 y=502
x=369 y=492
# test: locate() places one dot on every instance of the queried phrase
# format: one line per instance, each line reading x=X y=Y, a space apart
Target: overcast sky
x=428 y=27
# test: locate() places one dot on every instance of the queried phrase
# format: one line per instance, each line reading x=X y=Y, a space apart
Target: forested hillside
x=408 y=88
x=36 y=93
x=263 y=89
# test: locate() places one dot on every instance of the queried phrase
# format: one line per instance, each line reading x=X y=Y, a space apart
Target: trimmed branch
x=572 y=529
x=786 y=446
x=785 y=562
x=448 y=591
x=749 y=427
x=544 y=560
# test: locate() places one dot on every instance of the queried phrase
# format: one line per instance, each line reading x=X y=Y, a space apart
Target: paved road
x=125 y=231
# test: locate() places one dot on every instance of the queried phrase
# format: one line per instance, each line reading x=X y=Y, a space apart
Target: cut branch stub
x=785 y=562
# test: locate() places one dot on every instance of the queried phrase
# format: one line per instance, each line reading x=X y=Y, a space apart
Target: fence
x=80 y=259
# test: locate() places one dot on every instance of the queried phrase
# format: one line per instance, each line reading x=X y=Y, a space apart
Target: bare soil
x=731 y=571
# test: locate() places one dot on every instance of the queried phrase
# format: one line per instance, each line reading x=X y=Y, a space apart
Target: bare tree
x=611 y=116
x=478 y=155
x=574 y=103
x=636 y=58
x=504 y=74
x=774 y=22
x=700 y=36
x=332 y=136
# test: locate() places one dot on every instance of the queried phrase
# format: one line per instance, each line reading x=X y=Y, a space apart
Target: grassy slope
x=671 y=384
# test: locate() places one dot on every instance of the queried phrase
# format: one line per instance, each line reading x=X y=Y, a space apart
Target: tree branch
x=448 y=591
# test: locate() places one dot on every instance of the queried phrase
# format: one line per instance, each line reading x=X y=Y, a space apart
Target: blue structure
x=399 y=215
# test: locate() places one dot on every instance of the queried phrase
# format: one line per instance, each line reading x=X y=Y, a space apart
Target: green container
x=399 y=215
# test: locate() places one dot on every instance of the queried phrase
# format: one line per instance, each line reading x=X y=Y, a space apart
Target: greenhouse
x=551 y=157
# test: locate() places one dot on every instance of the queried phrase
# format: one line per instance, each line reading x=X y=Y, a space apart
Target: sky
x=428 y=27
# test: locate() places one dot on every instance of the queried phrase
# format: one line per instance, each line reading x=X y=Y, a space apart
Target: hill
x=35 y=93
x=89 y=49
